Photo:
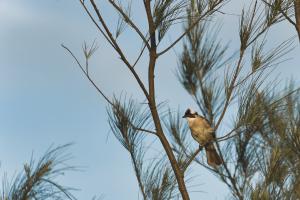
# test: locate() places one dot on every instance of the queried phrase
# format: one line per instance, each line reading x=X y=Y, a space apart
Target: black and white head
x=189 y=113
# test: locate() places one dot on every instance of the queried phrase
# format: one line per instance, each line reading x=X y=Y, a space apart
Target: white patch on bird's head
x=192 y=111
x=189 y=113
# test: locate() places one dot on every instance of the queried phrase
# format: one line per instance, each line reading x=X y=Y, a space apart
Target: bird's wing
x=202 y=122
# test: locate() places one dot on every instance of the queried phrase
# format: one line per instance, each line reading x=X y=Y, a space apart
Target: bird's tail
x=213 y=158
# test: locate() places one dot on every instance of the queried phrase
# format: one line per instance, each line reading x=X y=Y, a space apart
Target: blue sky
x=44 y=99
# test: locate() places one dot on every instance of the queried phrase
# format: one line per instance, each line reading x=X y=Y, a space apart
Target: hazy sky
x=44 y=98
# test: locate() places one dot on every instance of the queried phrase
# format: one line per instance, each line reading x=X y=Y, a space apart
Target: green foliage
x=202 y=56
x=166 y=13
x=260 y=152
x=37 y=180
x=128 y=121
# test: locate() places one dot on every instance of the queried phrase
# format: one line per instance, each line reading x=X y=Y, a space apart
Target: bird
x=204 y=134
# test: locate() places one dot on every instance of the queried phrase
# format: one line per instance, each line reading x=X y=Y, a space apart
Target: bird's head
x=189 y=113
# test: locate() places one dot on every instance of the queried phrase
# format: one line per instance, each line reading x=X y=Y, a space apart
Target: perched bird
x=204 y=134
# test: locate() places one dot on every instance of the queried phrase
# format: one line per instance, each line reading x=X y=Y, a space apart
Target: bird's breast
x=201 y=131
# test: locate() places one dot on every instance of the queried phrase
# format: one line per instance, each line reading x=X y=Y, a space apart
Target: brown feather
x=204 y=134
x=213 y=158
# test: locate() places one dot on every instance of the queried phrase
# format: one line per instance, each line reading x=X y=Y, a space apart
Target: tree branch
x=139 y=56
x=117 y=48
x=143 y=130
x=138 y=177
x=192 y=157
x=282 y=12
x=208 y=12
x=297 y=16
x=99 y=90
x=130 y=22
x=87 y=75
x=152 y=105
x=230 y=89
x=96 y=24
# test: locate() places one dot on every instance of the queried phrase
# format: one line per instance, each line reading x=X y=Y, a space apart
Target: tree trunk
x=297 y=16
x=179 y=174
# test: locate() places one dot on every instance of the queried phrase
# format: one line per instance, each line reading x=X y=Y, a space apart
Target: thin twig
x=139 y=56
x=87 y=75
x=208 y=12
x=152 y=105
x=118 y=49
x=99 y=90
x=193 y=156
x=282 y=12
x=226 y=136
x=138 y=177
x=290 y=93
x=230 y=89
x=297 y=16
x=143 y=130
x=96 y=24
x=130 y=22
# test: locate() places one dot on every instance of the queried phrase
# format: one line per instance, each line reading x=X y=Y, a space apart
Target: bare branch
x=130 y=22
x=143 y=130
x=152 y=104
x=230 y=89
x=117 y=48
x=192 y=157
x=96 y=24
x=139 y=56
x=297 y=15
x=87 y=75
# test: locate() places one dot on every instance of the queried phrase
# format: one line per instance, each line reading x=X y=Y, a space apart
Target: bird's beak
x=184 y=116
